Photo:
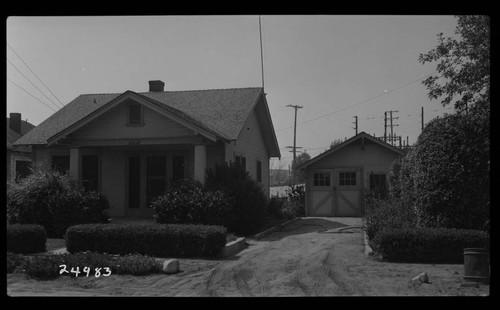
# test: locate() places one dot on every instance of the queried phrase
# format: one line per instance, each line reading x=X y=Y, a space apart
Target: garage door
x=336 y=192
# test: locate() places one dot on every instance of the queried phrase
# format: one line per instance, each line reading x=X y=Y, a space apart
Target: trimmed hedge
x=171 y=240
x=48 y=267
x=389 y=213
x=429 y=245
x=26 y=238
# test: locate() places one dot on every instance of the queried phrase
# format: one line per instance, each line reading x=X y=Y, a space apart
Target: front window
x=90 y=172
x=60 y=163
x=259 y=171
x=22 y=169
x=241 y=162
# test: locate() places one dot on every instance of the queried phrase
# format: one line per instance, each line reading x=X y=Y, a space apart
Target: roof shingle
x=223 y=111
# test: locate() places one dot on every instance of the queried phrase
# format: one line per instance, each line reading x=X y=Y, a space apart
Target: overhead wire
x=31 y=95
x=27 y=79
x=361 y=102
x=13 y=50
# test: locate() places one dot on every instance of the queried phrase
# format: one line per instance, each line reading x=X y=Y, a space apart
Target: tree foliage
x=463 y=65
x=446 y=176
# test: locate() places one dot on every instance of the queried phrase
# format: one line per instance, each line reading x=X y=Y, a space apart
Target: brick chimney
x=15 y=122
x=156 y=85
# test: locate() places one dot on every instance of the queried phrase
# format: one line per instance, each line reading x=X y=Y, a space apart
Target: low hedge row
x=429 y=245
x=85 y=264
x=167 y=240
x=26 y=238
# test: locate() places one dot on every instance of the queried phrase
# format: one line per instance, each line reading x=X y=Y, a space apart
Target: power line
x=31 y=94
x=363 y=101
x=34 y=73
x=27 y=79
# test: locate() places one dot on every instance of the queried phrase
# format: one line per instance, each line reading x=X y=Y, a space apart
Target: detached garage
x=338 y=179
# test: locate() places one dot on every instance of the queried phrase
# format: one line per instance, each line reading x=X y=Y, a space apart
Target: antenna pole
x=261 y=54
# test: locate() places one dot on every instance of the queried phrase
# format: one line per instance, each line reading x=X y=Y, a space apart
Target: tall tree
x=463 y=65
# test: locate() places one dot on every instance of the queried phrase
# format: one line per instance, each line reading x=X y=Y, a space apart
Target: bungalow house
x=18 y=157
x=131 y=145
x=338 y=179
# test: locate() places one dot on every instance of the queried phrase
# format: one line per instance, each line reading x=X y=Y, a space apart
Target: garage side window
x=321 y=179
x=347 y=178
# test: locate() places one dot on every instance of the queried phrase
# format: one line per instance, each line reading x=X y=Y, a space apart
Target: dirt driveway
x=309 y=257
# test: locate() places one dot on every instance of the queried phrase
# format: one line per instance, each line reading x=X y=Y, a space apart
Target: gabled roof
x=220 y=112
x=13 y=136
x=361 y=135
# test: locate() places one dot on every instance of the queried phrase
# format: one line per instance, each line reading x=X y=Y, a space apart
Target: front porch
x=132 y=176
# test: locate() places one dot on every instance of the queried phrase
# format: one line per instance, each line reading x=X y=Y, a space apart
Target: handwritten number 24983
x=86 y=270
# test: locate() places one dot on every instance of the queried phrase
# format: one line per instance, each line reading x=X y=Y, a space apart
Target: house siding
x=250 y=144
x=113 y=125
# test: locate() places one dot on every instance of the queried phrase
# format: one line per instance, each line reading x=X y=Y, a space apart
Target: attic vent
x=134 y=114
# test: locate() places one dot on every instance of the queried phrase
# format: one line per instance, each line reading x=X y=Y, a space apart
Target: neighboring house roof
x=13 y=136
x=221 y=112
x=337 y=147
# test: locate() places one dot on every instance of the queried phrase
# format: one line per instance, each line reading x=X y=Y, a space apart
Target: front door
x=148 y=177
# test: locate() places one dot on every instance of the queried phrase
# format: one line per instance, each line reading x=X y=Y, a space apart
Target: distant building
x=338 y=179
x=18 y=157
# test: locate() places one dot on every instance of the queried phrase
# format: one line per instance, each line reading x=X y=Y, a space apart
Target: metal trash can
x=477 y=265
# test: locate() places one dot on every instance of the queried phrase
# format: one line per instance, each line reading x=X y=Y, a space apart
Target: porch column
x=200 y=163
x=74 y=164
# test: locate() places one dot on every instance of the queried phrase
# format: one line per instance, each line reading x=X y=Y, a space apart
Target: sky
x=335 y=67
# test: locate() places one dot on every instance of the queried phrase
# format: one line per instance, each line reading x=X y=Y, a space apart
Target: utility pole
x=392 y=137
x=422 y=117
x=295 y=130
x=385 y=126
x=356 y=123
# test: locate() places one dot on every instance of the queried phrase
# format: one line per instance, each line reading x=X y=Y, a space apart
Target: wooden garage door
x=347 y=192
x=336 y=192
x=321 y=193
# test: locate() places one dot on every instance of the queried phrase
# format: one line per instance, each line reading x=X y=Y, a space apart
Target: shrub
x=136 y=265
x=388 y=213
x=428 y=245
x=247 y=201
x=16 y=262
x=447 y=174
x=275 y=207
x=47 y=267
x=133 y=264
x=52 y=199
x=171 y=240
x=186 y=203
x=44 y=267
x=26 y=238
